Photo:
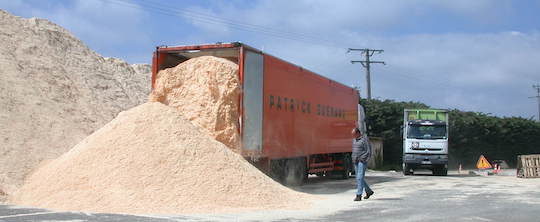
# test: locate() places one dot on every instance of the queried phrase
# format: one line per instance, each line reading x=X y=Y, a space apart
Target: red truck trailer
x=293 y=122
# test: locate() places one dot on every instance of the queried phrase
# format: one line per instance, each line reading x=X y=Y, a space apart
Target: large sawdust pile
x=151 y=160
x=54 y=92
x=206 y=91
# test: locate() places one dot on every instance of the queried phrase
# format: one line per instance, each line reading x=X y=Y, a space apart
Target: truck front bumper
x=425 y=159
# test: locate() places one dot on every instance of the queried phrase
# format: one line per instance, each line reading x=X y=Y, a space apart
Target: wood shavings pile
x=206 y=91
x=54 y=92
x=151 y=160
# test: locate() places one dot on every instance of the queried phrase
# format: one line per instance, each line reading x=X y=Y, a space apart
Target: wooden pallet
x=528 y=166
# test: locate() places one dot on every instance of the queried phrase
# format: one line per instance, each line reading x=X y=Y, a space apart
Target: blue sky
x=481 y=55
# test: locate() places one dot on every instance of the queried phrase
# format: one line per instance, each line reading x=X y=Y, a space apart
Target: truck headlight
x=415 y=145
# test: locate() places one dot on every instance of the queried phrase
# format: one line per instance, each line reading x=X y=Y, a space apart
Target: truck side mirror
x=401 y=131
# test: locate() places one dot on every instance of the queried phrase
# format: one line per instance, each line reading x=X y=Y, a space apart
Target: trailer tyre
x=295 y=171
x=347 y=167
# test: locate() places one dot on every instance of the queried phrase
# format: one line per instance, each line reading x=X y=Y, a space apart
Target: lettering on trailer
x=288 y=104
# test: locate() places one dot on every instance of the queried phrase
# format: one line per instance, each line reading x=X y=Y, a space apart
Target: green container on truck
x=425 y=141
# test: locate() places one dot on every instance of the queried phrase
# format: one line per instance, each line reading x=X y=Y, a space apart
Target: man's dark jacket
x=361 y=150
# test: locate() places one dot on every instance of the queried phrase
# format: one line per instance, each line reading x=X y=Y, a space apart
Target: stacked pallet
x=528 y=166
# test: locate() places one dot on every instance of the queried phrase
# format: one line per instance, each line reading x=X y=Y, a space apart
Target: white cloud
x=477 y=71
x=487 y=72
x=206 y=20
x=103 y=23
x=491 y=73
x=320 y=17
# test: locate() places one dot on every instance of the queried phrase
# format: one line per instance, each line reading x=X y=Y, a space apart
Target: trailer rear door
x=253 y=102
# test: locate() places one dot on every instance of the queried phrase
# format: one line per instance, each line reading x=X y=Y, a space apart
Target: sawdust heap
x=206 y=91
x=151 y=160
x=54 y=92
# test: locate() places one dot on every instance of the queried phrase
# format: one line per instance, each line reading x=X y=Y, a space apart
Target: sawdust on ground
x=151 y=160
x=206 y=90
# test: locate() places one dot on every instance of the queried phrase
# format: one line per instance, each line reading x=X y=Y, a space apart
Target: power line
x=367 y=64
x=191 y=13
x=537 y=87
x=210 y=19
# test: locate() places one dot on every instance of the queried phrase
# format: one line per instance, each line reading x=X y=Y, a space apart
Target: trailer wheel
x=347 y=167
x=295 y=171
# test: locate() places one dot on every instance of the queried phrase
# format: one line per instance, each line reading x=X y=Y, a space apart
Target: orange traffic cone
x=496 y=168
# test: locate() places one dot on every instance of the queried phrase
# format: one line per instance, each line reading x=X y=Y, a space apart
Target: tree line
x=471 y=134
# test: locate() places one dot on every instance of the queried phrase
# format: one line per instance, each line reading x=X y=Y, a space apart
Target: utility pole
x=367 y=65
x=537 y=87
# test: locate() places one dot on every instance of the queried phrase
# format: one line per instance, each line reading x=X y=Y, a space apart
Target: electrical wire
x=169 y=10
x=209 y=19
x=236 y=22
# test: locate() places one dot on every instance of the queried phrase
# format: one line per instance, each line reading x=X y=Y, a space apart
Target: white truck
x=425 y=141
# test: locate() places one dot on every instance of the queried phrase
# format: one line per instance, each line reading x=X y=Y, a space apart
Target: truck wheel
x=436 y=171
x=440 y=170
x=406 y=169
x=347 y=167
x=443 y=171
x=295 y=172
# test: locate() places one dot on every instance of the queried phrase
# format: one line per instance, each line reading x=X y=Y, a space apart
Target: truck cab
x=425 y=141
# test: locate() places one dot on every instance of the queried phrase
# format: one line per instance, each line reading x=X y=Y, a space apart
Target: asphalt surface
x=462 y=198
x=397 y=198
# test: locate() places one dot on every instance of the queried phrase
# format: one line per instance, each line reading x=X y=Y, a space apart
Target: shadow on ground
x=449 y=175
x=332 y=185
x=20 y=214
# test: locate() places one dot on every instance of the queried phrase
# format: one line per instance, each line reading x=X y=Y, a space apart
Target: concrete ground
x=421 y=197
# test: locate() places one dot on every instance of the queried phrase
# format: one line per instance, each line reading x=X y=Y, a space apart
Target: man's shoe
x=368 y=195
x=358 y=198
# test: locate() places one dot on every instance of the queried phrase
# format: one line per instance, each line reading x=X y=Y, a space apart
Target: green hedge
x=471 y=134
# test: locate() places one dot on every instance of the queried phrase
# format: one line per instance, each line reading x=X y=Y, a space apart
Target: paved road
x=397 y=198
x=452 y=198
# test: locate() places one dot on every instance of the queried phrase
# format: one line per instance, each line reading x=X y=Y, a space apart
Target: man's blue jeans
x=360 y=181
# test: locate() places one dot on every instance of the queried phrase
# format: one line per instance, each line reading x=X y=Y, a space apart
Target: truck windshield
x=426 y=132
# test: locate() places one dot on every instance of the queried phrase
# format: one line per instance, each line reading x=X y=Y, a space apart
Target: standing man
x=361 y=152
